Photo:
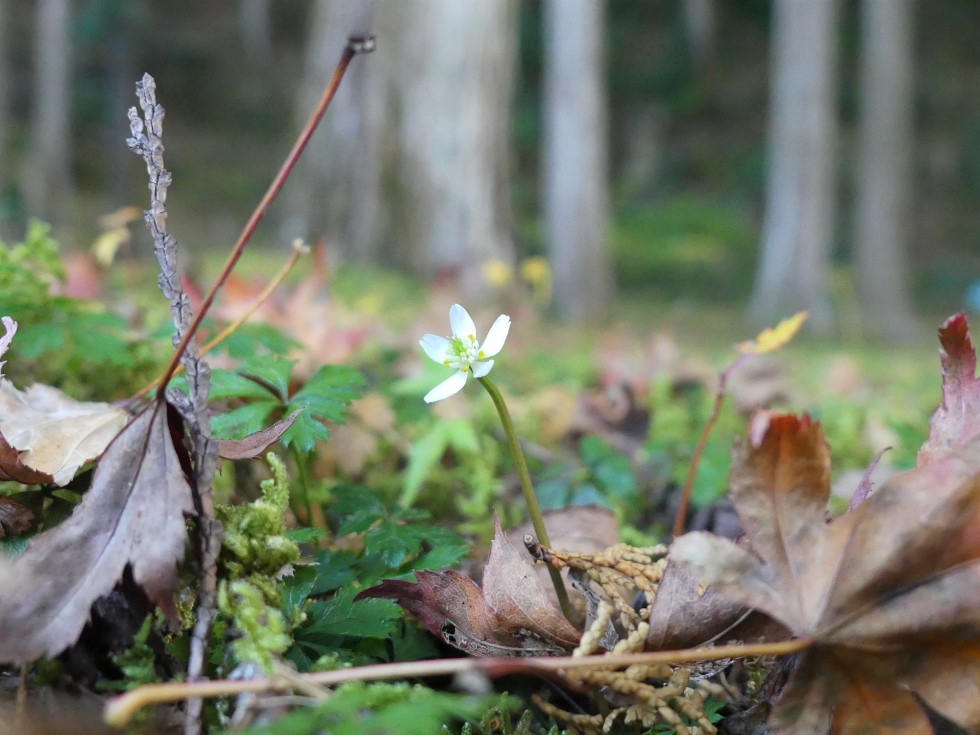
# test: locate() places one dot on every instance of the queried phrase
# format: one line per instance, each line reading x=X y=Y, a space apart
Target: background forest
x=656 y=166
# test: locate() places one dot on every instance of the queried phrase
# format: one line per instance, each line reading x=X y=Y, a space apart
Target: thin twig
x=680 y=519
x=120 y=710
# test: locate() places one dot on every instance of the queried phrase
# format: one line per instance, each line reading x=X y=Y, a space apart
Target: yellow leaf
x=769 y=340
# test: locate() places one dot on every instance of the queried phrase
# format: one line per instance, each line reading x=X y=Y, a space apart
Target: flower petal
x=436 y=347
x=481 y=368
x=461 y=322
x=496 y=336
x=450 y=386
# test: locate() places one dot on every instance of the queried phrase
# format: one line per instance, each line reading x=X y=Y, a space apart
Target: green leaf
x=304 y=432
x=273 y=373
x=39 y=338
x=342 y=616
x=296 y=588
x=334 y=570
x=356 y=708
x=227 y=384
x=250 y=340
x=394 y=543
x=422 y=459
x=305 y=535
x=615 y=476
x=462 y=436
x=243 y=420
x=328 y=392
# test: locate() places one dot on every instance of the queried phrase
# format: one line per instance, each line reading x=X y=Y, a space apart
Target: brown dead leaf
x=510 y=616
x=887 y=591
x=11 y=468
x=54 y=433
x=958 y=417
x=132 y=514
x=254 y=444
x=15 y=518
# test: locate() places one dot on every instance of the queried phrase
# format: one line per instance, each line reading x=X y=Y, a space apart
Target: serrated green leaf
x=243 y=420
x=334 y=570
x=273 y=373
x=304 y=432
x=328 y=392
x=39 y=338
x=342 y=616
x=394 y=543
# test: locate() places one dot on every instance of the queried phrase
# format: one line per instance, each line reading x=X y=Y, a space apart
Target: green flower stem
x=300 y=495
x=530 y=498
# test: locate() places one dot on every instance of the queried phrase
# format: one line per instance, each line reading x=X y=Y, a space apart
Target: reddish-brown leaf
x=511 y=616
x=254 y=444
x=957 y=419
x=15 y=518
x=11 y=468
x=132 y=514
x=888 y=591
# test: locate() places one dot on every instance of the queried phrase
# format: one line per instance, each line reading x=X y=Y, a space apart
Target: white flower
x=462 y=351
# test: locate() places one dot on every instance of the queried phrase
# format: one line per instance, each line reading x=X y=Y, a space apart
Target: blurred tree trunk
x=412 y=168
x=6 y=64
x=253 y=22
x=799 y=219
x=700 y=21
x=884 y=167
x=575 y=157
x=48 y=179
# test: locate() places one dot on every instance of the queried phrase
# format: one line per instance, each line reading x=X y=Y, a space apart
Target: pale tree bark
x=882 y=221
x=413 y=167
x=254 y=25
x=700 y=22
x=48 y=179
x=800 y=188
x=6 y=62
x=575 y=157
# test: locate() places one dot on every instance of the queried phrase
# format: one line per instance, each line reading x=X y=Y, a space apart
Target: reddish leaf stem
x=355 y=45
x=692 y=471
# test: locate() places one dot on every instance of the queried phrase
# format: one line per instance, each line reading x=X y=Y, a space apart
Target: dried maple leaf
x=132 y=514
x=56 y=434
x=958 y=417
x=885 y=593
x=15 y=518
x=511 y=616
x=11 y=468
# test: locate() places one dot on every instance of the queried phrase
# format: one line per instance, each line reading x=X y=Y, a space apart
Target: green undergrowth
x=352 y=495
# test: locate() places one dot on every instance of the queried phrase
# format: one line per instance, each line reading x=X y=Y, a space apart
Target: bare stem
x=354 y=46
x=120 y=710
x=692 y=471
x=530 y=499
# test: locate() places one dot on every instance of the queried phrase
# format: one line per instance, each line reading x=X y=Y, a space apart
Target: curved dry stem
x=119 y=711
